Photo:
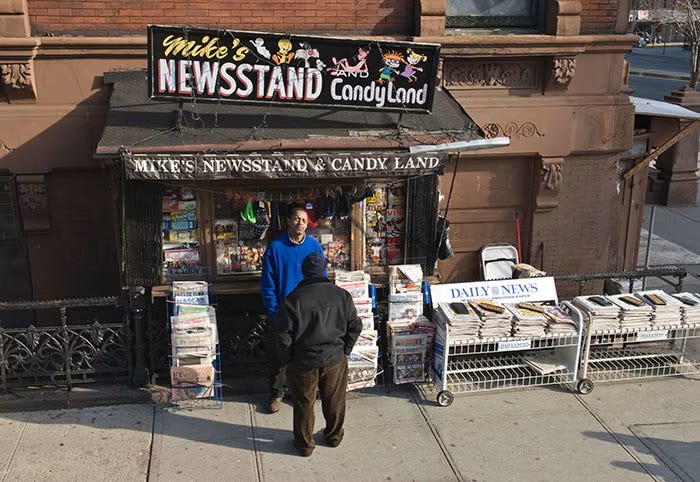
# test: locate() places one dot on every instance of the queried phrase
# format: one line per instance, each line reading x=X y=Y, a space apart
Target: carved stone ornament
x=32 y=196
x=551 y=176
x=563 y=69
x=492 y=75
x=33 y=202
x=16 y=76
x=550 y=183
x=512 y=130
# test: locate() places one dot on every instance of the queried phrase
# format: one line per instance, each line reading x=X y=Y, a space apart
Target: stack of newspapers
x=193 y=336
x=666 y=310
x=690 y=307
x=362 y=362
x=634 y=312
x=603 y=313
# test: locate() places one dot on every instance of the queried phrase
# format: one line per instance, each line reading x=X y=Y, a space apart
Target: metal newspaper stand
x=663 y=349
x=474 y=364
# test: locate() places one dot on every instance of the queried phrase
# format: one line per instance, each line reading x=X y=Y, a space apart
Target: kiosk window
x=246 y=221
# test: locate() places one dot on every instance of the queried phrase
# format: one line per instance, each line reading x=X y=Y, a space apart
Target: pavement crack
x=14 y=450
x=436 y=436
x=614 y=436
x=258 y=455
x=150 y=448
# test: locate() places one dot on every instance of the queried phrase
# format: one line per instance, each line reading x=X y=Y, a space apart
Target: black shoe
x=304 y=452
x=275 y=405
x=335 y=441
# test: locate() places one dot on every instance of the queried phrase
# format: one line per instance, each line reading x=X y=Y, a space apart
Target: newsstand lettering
x=187 y=166
x=314 y=71
x=470 y=292
x=515 y=289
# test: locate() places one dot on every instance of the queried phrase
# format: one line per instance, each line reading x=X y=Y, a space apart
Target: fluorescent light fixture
x=461 y=145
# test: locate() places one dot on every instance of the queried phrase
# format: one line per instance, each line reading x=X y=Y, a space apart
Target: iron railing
x=662 y=273
x=65 y=353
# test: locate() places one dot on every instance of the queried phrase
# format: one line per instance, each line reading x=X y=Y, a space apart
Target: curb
x=660 y=75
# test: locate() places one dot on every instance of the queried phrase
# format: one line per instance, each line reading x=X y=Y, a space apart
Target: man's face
x=297 y=223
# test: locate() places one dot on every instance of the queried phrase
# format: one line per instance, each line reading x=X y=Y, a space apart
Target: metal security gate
x=75 y=348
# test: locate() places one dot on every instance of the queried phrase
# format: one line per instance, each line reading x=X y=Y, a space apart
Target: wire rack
x=626 y=354
x=467 y=364
x=494 y=373
x=468 y=346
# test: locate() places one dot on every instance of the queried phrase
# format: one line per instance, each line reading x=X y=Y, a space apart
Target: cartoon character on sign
x=259 y=45
x=412 y=61
x=343 y=65
x=307 y=53
x=284 y=54
x=392 y=62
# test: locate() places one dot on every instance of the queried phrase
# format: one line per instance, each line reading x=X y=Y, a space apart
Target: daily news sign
x=226 y=65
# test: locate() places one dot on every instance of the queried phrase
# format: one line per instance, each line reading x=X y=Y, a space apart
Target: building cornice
x=452 y=46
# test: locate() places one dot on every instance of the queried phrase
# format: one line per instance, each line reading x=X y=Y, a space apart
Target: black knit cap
x=314 y=266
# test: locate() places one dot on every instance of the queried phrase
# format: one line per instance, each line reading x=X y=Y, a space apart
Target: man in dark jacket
x=317 y=326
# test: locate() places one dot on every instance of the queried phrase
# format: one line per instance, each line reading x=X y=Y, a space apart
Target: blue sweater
x=281 y=271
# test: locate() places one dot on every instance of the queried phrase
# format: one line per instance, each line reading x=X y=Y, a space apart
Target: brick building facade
x=554 y=87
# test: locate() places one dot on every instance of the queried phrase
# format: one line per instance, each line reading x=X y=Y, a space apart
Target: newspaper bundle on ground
x=666 y=310
x=603 y=313
x=690 y=307
x=362 y=362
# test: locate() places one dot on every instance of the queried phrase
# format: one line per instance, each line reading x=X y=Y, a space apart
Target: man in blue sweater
x=281 y=273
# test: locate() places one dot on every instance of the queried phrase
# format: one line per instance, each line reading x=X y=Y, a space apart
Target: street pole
x=648 y=250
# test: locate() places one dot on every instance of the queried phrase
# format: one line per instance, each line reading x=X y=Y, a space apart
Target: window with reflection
x=494 y=13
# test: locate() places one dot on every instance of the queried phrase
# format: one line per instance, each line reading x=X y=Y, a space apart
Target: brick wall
x=579 y=236
x=130 y=17
x=600 y=16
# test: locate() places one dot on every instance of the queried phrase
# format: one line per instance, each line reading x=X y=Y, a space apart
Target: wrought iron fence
x=661 y=273
x=65 y=353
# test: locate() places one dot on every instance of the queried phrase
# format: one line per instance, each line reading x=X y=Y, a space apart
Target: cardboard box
x=191 y=382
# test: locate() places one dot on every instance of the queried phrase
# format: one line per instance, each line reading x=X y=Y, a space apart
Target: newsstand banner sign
x=251 y=166
x=227 y=65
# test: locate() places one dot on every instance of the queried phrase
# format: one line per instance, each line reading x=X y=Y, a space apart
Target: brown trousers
x=332 y=383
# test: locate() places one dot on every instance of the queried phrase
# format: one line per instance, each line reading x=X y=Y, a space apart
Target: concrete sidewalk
x=628 y=431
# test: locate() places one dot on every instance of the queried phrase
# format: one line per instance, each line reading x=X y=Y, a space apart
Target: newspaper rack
x=664 y=349
x=195 y=374
x=463 y=365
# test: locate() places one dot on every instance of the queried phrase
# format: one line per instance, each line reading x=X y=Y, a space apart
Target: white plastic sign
x=503 y=291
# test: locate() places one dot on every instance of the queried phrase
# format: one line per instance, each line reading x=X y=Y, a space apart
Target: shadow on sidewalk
x=169 y=426
x=680 y=457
